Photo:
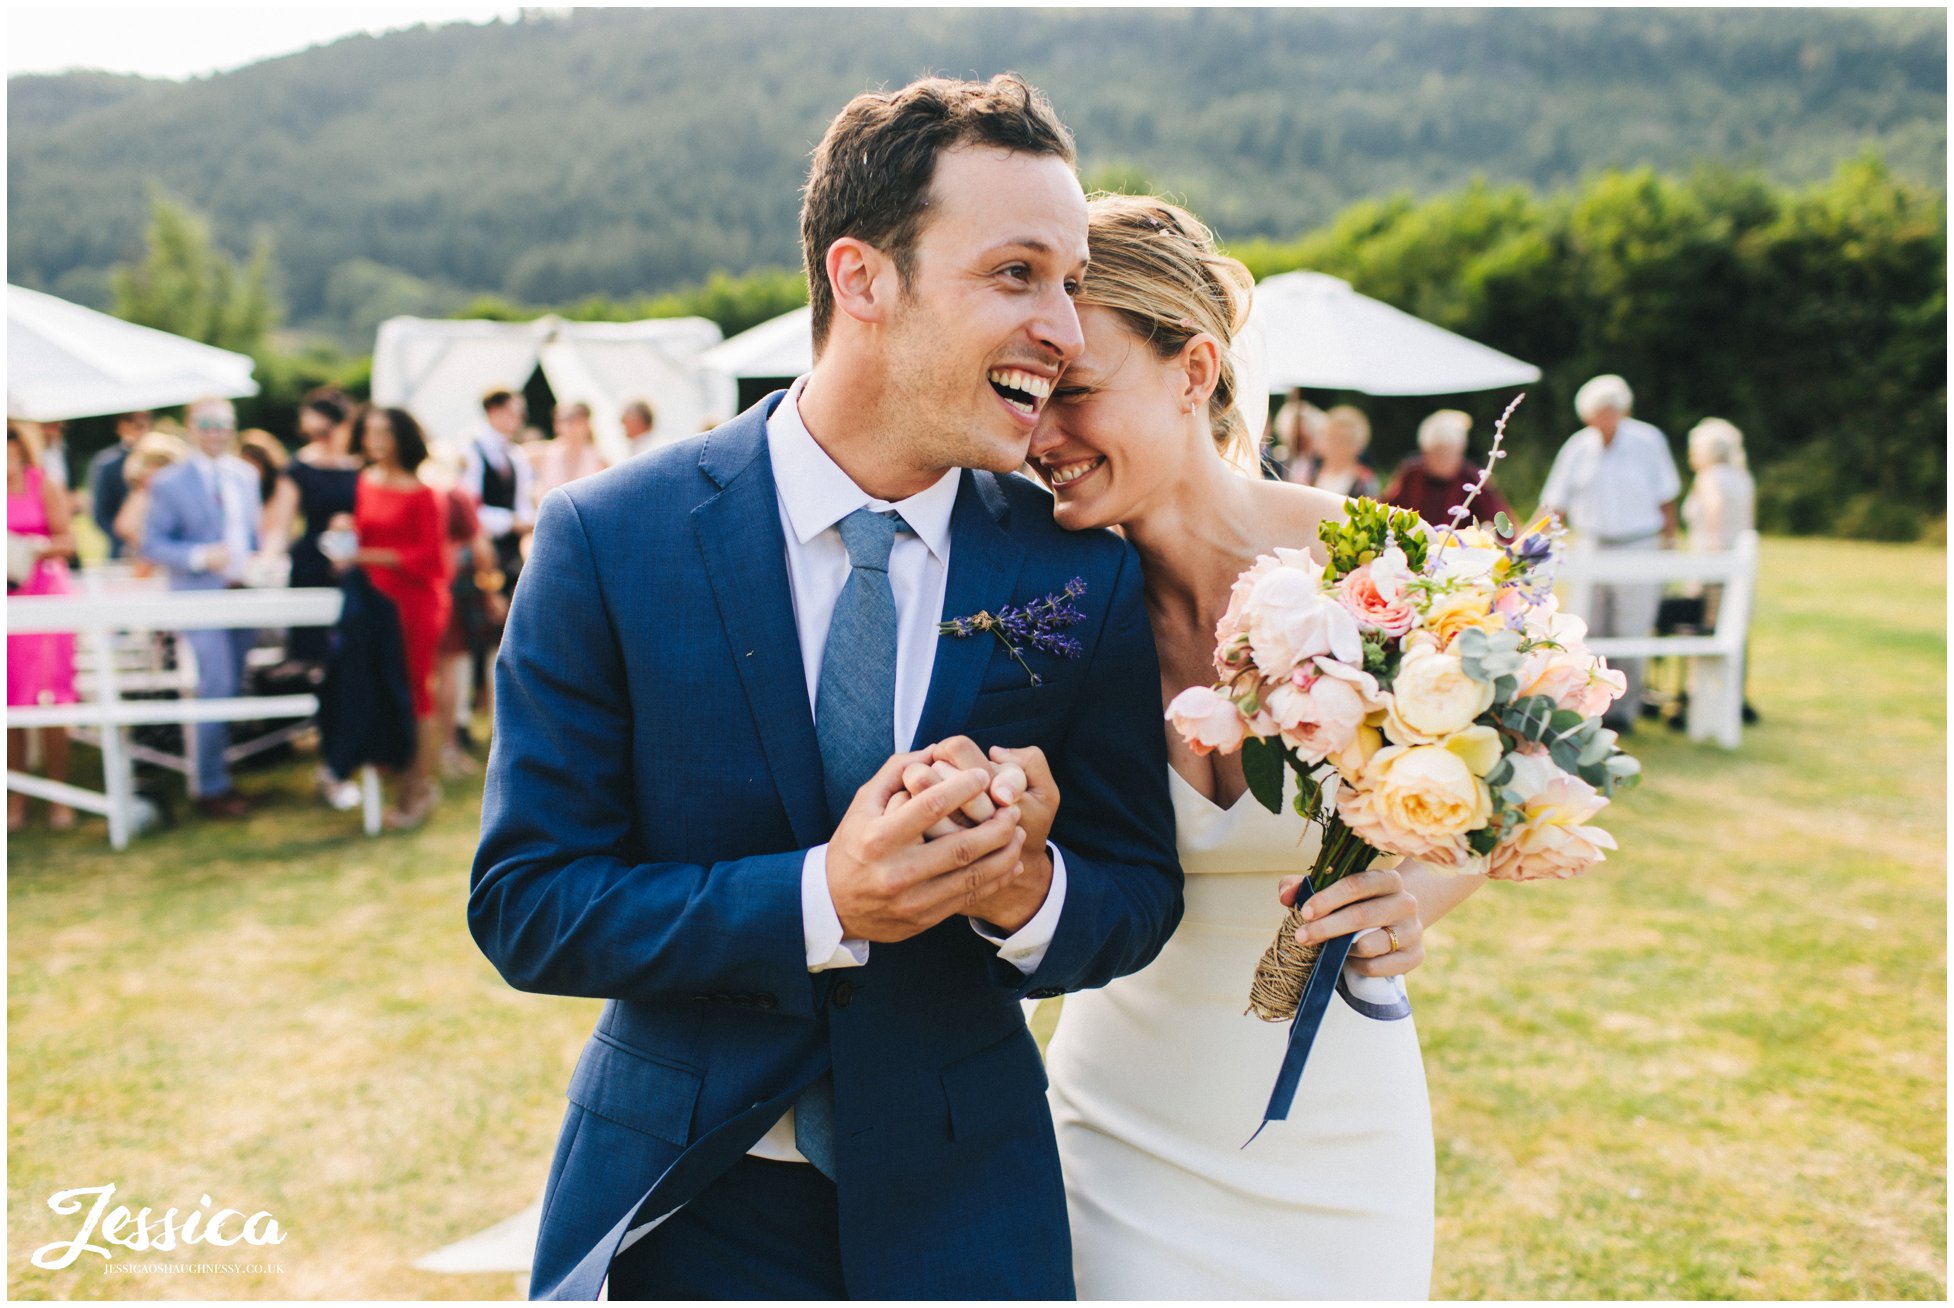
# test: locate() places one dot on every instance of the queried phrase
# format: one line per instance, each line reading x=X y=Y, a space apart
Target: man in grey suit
x=203 y=525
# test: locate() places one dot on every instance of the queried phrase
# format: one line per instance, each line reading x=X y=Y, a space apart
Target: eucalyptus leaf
x=1503 y=524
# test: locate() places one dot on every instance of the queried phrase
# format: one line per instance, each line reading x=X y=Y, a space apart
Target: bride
x=1159 y=1078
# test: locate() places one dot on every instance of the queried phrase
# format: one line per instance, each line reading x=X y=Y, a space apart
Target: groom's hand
x=889 y=884
x=1020 y=777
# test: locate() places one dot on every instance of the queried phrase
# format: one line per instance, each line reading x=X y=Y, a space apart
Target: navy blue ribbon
x=1302 y=1032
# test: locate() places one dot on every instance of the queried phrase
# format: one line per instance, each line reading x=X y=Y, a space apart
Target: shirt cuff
x=1025 y=949
x=820 y=924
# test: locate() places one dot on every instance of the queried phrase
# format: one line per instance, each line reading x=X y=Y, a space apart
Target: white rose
x=1432 y=697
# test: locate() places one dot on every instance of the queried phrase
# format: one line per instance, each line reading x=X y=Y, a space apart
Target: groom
x=813 y=1078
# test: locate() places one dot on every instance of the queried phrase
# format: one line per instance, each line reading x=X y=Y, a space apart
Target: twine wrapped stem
x=1285 y=968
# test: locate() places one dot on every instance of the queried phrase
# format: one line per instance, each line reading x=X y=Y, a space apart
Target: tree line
x=622 y=153
x=1812 y=317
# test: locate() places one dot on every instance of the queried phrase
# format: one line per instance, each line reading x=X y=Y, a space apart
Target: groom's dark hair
x=872 y=171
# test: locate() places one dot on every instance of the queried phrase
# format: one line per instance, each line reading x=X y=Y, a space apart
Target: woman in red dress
x=403 y=547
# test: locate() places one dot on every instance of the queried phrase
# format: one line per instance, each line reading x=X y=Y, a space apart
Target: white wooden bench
x=1716 y=658
x=102 y=621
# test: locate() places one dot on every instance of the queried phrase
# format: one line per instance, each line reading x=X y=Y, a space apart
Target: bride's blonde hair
x=1156 y=266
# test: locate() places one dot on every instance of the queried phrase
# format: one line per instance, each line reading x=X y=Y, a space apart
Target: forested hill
x=619 y=152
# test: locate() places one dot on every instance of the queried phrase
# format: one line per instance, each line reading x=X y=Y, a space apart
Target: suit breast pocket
x=997 y=707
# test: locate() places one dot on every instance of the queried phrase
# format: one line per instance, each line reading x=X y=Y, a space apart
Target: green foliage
x=184 y=284
x=1364 y=532
x=626 y=152
x=1262 y=762
x=1813 y=318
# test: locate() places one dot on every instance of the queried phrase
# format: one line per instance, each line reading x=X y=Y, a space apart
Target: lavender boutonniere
x=1039 y=625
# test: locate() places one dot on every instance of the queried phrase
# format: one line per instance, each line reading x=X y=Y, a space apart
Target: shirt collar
x=817 y=493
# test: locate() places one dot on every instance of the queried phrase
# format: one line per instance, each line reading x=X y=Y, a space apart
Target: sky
x=178 y=42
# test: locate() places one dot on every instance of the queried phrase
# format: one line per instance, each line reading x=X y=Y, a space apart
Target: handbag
x=23 y=554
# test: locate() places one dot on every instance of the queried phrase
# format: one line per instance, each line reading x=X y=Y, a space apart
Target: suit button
x=844 y=995
x=765 y=1001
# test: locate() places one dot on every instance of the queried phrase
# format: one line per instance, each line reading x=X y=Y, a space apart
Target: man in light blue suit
x=724 y=677
x=202 y=525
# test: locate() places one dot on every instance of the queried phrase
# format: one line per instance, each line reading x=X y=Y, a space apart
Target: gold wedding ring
x=1395 y=946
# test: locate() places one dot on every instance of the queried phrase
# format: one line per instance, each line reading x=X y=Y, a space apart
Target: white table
x=100 y=615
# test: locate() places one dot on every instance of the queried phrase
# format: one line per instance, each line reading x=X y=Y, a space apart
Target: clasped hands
x=944 y=831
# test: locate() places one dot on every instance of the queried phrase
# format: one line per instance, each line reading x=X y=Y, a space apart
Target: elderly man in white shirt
x=1615 y=483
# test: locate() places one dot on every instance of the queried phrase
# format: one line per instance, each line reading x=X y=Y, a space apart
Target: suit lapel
x=984 y=564
x=746 y=563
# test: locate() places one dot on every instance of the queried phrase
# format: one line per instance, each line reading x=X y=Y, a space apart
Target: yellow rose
x=1462 y=610
x=1352 y=760
x=1432 y=697
x=1417 y=800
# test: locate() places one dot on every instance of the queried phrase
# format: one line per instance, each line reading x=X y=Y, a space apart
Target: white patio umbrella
x=65 y=361
x=1317 y=332
x=779 y=347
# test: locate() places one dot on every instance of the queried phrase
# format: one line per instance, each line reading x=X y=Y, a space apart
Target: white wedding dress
x=1159 y=1078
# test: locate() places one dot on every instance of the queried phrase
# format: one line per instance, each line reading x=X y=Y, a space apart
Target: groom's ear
x=863 y=278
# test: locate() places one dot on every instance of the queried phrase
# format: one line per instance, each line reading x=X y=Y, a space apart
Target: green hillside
x=619 y=153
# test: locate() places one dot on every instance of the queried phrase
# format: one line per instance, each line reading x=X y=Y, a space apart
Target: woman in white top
x=1339 y=470
x=1159 y=1078
x=1720 y=507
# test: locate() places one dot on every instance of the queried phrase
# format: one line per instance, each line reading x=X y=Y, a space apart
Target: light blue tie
x=855 y=723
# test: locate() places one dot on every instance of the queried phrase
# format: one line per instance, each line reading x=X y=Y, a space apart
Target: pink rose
x=1572 y=678
x=1290 y=619
x=1550 y=841
x=1374 y=612
x=1319 y=710
x=1207 y=720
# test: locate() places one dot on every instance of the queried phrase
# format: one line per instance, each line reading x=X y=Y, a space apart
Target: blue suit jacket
x=183 y=515
x=652 y=789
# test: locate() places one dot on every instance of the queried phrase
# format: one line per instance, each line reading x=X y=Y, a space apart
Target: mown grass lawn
x=1715 y=1068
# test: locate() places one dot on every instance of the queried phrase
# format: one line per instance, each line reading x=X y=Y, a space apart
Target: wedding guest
x=261 y=450
x=156 y=451
x=1340 y=468
x=477 y=605
x=202 y=524
x=40 y=668
x=638 y=422
x=1614 y=482
x=54 y=454
x=1434 y=481
x=106 y=487
x=1720 y=507
x=402 y=527
x=571 y=455
x=318 y=483
x=500 y=481
x=1297 y=434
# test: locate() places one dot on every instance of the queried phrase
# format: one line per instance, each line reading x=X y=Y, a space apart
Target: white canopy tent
x=440 y=369
x=1318 y=332
x=65 y=361
x=779 y=347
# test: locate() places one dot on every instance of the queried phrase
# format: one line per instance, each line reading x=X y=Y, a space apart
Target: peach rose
x=1420 y=801
x=1432 y=697
x=1550 y=841
x=1468 y=609
x=1572 y=678
x=1360 y=593
x=1207 y=720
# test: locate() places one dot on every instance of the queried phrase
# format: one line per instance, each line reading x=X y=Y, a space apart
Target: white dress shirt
x=815 y=494
x=220 y=481
x=1613 y=492
x=498 y=521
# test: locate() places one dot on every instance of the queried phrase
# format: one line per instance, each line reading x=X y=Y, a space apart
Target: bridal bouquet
x=1433 y=703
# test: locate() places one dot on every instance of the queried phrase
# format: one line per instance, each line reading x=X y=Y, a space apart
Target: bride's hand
x=1374 y=902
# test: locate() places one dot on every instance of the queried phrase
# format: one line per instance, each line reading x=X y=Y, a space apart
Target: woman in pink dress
x=40 y=669
x=571 y=455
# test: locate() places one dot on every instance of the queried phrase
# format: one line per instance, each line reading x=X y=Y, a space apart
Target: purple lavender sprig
x=1038 y=624
x=1463 y=512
